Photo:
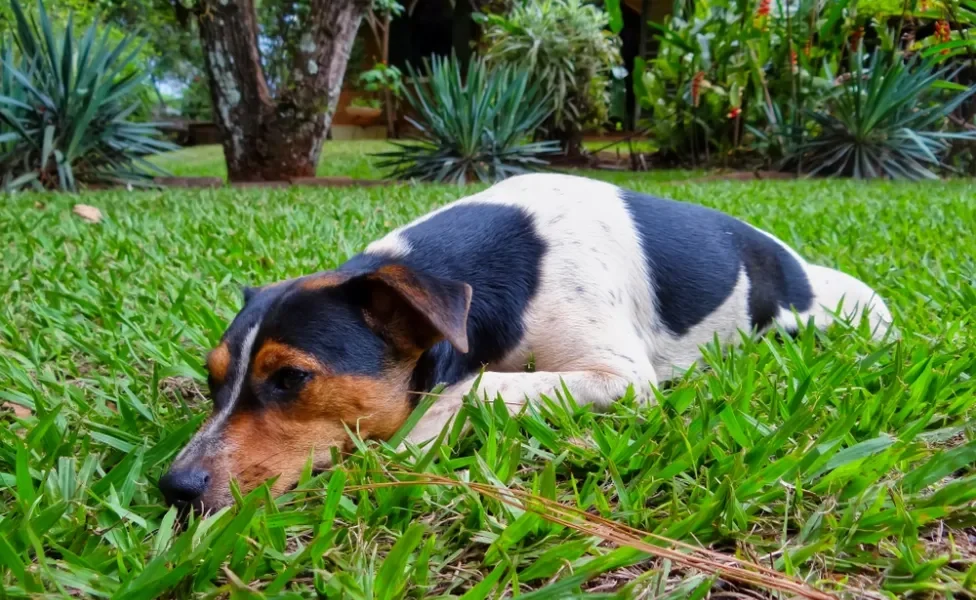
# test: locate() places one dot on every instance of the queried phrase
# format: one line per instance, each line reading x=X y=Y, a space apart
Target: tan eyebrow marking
x=218 y=361
x=323 y=280
x=274 y=355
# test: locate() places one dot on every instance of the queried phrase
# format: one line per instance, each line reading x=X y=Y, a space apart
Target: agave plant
x=884 y=120
x=473 y=128
x=65 y=105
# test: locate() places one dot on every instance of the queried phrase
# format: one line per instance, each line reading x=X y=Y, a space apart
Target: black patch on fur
x=695 y=253
x=324 y=323
x=494 y=249
x=329 y=324
x=248 y=293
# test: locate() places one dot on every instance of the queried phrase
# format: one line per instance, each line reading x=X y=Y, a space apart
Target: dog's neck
x=441 y=364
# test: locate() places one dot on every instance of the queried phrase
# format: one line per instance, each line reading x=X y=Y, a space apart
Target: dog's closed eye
x=289 y=379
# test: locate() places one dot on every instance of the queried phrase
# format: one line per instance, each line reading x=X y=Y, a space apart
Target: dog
x=601 y=287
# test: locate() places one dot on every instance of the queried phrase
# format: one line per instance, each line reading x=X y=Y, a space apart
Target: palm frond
x=65 y=105
x=886 y=120
x=478 y=128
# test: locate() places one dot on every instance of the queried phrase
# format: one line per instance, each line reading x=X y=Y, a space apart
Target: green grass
x=340 y=158
x=639 y=144
x=844 y=463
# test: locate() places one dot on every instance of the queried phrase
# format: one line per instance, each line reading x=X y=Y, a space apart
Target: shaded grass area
x=844 y=463
x=340 y=158
x=344 y=158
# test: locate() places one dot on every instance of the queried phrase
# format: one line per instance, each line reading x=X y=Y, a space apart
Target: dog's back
x=562 y=263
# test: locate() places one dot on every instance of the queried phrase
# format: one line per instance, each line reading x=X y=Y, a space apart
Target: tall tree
x=275 y=132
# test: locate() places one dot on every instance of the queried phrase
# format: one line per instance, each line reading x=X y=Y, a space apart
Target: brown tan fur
x=323 y=280
x=278 y=441
x=218 y=361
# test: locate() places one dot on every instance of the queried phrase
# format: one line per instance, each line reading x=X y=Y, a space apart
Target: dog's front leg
x=600 y=388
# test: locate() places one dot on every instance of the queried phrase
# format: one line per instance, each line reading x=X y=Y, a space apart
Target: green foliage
x=196 y=103
x=567 y=48
x=749 y=81
x=885 y=119
x=845 y=463
x=390 y=7
x=172 y=51
x=382 y=78
x=282 y=28
x=64 y=109
x=726 y=63
x=473 y=127
x=366 y=102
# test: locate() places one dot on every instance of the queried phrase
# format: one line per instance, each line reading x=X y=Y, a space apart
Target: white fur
x=210 y=433
x=593 y=324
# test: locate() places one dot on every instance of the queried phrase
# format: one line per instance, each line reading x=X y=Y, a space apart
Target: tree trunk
x=269 y=138
x=387 y=96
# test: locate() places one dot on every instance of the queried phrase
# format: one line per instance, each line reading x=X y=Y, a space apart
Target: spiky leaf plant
x=886 y=119
x=477 y=127
x=65 y=105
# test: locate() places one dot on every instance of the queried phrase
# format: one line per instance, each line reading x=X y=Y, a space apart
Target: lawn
x=339 y=158
x=344 y=158
x=843 y=464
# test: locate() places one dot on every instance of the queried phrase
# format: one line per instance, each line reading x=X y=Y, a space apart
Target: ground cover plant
x=834 y=461
x=67 y=102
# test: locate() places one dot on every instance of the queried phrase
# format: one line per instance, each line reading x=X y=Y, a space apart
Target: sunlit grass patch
x=838 y=462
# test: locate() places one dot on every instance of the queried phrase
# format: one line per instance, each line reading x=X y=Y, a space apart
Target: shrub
x=65 y=109
x=471 y=129
x=752 y=80
x=884 y=120
x=726 y=64
x=566 y=47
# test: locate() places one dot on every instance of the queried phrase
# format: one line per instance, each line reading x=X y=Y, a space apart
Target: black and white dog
x=602 y=288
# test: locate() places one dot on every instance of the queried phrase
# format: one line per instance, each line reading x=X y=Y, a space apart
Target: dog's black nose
x=185 y=485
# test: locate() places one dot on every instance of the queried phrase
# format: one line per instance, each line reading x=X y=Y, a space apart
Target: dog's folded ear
x=414 y=310
x=248 y=293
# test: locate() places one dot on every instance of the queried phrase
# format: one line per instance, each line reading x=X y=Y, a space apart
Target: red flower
x=943 y=32
x=856 y=37
x=696 y=82
x=735 y=112
x=794 y=59
x=764 y=8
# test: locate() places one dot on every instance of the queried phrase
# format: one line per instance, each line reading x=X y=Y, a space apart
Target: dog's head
x=303 y=360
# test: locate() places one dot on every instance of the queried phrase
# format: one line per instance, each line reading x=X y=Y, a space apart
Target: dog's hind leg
x=839 y=295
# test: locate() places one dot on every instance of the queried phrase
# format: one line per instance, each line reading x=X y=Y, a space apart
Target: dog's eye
x=288 y=379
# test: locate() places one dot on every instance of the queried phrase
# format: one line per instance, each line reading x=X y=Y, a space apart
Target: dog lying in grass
x=602 y=287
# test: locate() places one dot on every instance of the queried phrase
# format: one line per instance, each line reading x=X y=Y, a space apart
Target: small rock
x=88 y=213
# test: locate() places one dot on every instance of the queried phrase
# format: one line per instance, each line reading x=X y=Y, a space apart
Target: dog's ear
x=248 y=293
x=414 y=310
